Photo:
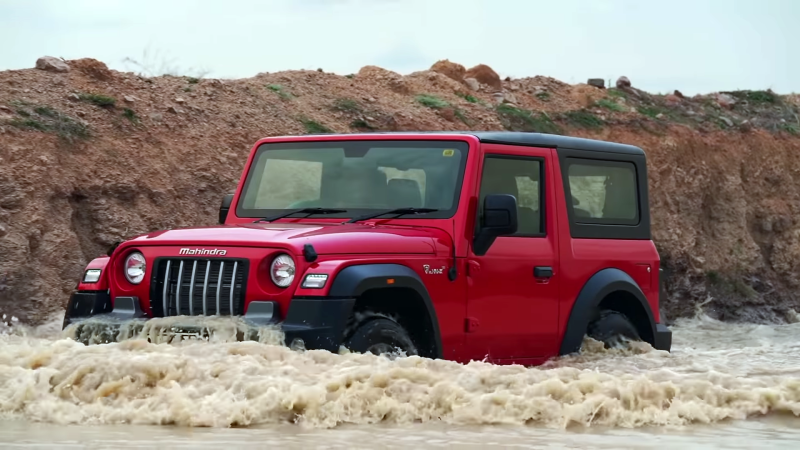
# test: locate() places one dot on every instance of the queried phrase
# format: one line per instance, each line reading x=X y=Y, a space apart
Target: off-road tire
x=610 y=326
x=379 y=335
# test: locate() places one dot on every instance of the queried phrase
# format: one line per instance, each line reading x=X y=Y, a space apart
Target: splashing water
x=753 y=370
x=716 y=372
x=168 y=330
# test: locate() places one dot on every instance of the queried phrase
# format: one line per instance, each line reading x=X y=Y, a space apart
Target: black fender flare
x=353 y=281
x=600 y=285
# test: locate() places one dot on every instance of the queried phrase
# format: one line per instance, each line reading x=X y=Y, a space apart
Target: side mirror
x=113 y=247
x=223 y=209
x=499 y=219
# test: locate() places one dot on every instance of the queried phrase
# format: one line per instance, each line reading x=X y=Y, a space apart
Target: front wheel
x=612 y=328
x=380 y=335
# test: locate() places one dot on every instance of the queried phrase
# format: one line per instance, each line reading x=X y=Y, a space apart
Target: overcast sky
x=690 y=45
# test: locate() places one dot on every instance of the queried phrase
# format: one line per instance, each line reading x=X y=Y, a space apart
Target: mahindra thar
x=504 y=246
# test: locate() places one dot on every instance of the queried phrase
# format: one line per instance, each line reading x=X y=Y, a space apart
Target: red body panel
x=102 y=283
x=516 y=313
x=328 y=238
x=495 y=309
x=582 y=258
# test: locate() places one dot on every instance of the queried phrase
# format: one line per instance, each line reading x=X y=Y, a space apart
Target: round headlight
x=135 y=266
x=282 y=270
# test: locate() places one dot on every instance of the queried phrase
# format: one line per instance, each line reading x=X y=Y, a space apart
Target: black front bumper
x=663 y=337
x=316 y=324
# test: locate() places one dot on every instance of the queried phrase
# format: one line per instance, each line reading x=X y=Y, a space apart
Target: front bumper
x=317 y=323
x=663 y=337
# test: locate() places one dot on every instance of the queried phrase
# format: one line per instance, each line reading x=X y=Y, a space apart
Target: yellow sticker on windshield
x=448 y=152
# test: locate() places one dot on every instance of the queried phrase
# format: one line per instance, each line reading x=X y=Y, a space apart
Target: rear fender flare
x=600 y=285
x=353 y=281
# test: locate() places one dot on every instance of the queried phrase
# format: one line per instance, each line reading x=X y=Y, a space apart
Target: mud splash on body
x=716 y=372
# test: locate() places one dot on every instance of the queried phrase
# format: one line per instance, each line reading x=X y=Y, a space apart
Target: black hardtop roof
x=529 y=139
x=556 y=141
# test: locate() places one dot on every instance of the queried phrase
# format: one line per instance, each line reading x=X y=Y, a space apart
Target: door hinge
x=471 y=324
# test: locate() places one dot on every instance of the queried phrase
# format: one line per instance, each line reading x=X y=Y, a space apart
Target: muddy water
x=735 y=386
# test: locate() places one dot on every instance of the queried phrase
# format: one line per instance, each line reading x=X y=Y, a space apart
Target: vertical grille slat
x=219 y=283
x=205 y=286
x=166 y=286
x=178 y=291
x=191 y=289
x=233 y=283
x=175 y=288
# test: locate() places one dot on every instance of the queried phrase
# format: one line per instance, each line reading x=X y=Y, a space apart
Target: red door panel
x=513 y=314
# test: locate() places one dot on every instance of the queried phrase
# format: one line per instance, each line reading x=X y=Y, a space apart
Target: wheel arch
x=405 y=296
x=608 y=289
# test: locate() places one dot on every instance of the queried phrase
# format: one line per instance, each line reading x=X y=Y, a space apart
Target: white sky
x=691 y=45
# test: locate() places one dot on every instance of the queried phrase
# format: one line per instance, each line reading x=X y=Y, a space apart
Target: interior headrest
x=405 y=192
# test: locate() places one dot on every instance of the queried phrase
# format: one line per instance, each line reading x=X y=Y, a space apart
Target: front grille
x=194 y=287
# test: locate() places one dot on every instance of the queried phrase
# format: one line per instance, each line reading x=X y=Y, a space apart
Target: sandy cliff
x=89 y=156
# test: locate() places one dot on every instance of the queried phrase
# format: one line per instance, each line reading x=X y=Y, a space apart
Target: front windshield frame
x=462 y=146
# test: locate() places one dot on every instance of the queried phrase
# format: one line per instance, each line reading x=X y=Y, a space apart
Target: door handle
x=543 y=272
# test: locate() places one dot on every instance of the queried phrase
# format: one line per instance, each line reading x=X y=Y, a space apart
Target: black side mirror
x=499 y=219
x=223 y=209
x=113 y=247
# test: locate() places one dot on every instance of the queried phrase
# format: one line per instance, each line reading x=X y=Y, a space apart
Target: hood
x=327 y=239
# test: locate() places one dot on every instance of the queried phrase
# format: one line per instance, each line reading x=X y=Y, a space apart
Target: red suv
x=503 y=246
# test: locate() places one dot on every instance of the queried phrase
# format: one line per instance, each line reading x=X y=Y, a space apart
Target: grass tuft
x=278 y=89
x=314 y=127
x=431 y=101
x=346 y=105
x=469 y=98
x=48 y=120
x=755 y=97
x=31 y=124
x=610 y=105
x=46 y=111
x=361 y=124
x=517 y=119
x=614 y=92
x=130 y=115
x=462 y=117
x=99 y=100
x=583 y=119
x=650 y=111
x=791 y=128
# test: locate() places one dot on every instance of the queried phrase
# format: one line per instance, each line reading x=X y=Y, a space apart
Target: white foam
x=717 y=371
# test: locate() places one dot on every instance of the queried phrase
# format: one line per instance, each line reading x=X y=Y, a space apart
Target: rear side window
x=603 y=192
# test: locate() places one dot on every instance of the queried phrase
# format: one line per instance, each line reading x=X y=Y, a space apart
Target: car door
x=512 y=300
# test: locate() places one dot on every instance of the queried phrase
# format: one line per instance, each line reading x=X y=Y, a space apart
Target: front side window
x=522 y=178
x=357 y=176
x=603 y=192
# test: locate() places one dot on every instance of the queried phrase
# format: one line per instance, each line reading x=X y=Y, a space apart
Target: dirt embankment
x=89 y=156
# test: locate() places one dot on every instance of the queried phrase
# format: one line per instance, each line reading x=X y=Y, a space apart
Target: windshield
x=356 y=176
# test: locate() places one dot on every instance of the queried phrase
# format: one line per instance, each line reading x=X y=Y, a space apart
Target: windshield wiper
x=307 y=211
x=398 y=211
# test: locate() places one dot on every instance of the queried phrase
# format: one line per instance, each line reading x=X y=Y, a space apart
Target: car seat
x=404 y=193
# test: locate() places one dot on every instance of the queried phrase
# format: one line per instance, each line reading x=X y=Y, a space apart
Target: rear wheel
x=612 y=328
x=380 y=335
